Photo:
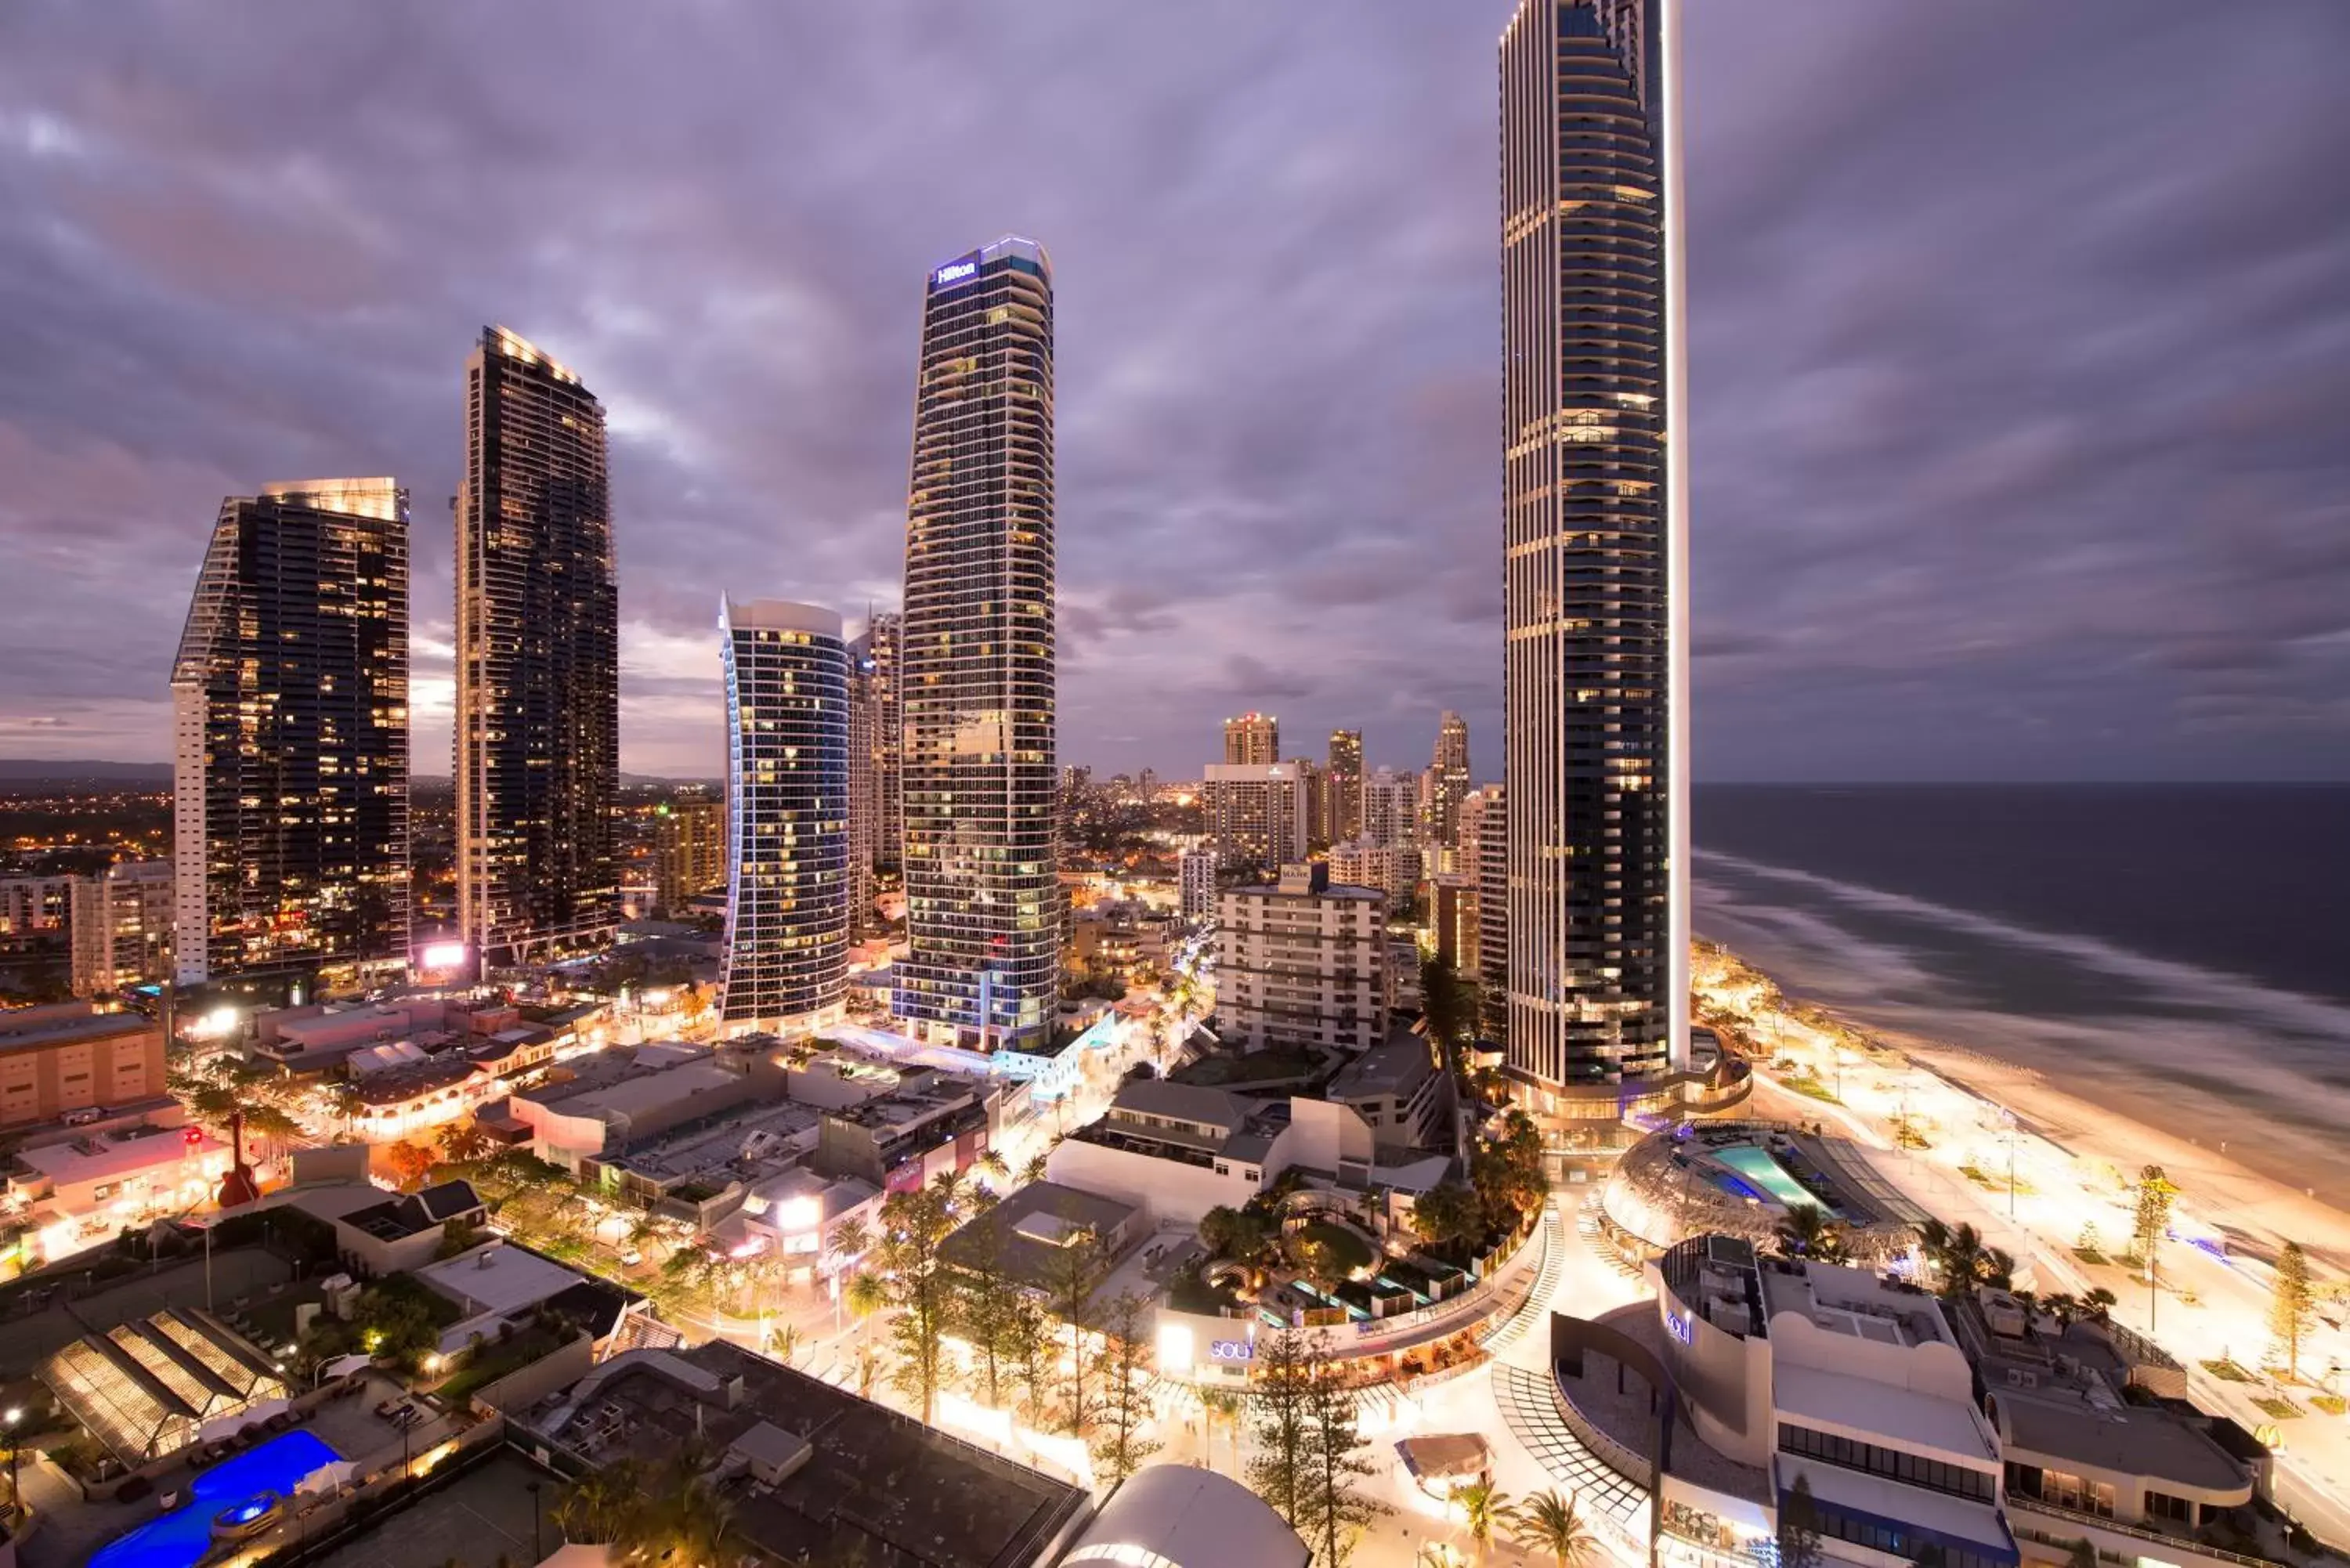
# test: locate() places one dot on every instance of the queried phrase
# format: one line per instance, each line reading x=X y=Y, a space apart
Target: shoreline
x=2099 y=1122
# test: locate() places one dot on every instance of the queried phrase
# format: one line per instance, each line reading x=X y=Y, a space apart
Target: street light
x=16 y=1503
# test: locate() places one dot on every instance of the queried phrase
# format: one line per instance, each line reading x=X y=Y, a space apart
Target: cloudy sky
x=2021 y=340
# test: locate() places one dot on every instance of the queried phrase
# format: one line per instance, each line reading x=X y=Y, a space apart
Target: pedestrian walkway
x=1586 y=1225
x=1502 y=1333
x=1529 y=1410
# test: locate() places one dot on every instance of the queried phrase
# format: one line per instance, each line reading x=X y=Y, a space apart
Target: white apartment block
x=1196 y=877
x=1302 y=962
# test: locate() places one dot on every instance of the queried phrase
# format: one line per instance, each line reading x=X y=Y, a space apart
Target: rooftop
x=876 y=1482
x=1033 y=1227
x=119 y=1153
x=1861 y=1407
x=417 y=1211
x=67 y=1024
x=1397 y=1065
x=499 y=1277
x=1854 y=1302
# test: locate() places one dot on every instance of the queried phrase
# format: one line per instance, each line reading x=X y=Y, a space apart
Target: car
x=632 y=1258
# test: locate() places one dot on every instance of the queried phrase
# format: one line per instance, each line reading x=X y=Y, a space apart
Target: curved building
x=1596 y=553
x=787 y=776
x=980 y=789
x=1180 y=1516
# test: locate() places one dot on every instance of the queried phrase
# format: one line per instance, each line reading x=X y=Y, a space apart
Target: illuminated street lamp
x=16 y=1503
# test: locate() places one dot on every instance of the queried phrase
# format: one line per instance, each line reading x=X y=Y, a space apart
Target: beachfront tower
x=289 y=702
x=788 y=876
x=538 y=661
x=1595 y=529
x=979 y=784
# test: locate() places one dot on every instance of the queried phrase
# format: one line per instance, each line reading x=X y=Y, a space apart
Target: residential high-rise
x=1391 y=808
x=1595 y=516
x=1301 y=962
x=1485 y=855
x=788 y=873
x=1310 y=789
x=1256 y=813
x=121 y=934
x=1252 y=739
x=864 y=793
x=688 y=852
x=289 y=703
x=1448 y=780
x=980 y=785
x=886 y=648
x=1195 y=877
x=538 y=650
x=1343 y=784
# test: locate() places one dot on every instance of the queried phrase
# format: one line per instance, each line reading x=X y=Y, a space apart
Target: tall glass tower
x=289 y=700
x=538 y=655
x=787 y=781
x=1596 y=530
x=980 y=785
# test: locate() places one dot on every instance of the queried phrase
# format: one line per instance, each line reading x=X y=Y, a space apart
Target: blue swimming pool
x=183 y=1536
x=1766 y=1173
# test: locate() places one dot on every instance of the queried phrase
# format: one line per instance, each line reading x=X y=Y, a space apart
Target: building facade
x=1253 y=740
x=1485 y=855
x=864 y=793
x=1448 y=782
x=689 y=851
x=1342 y=785
x=289 y=703
x=1195 y=877
x=123 y=926
x=787 y=872
x=69 y=1056
x=539 y=692
x=1391 y=808
x=980 y=783
x=1302 y=961
x=885 y=647
x=1595 y=500
x=1256 y=813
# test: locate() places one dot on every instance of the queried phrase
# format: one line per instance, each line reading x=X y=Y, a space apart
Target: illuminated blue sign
x=1682 y=1327
x=1231 y=1350
x=954 y=271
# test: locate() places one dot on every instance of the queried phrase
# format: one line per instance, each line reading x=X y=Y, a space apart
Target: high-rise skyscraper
x=1485 y=855
x=1317 y=802
x=979 y=783
x=538 y=652
x=1595 y=496
x=787 y=872
x=289 y=703
x=1343 y=785
x=688 y=852
x=1256 y=814
x=1253 y=740
x=1391 y=808
x=886 y=648
x=1448 y=780
x=864 y=793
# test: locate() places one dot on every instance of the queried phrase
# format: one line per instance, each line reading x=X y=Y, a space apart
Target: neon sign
x=1681 y=1327
x=954 y=271
x=1232 y=1350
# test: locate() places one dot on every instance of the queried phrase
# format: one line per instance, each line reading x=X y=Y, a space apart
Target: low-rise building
x=500 y=1283
x=1302 y=962
x=77 y=1192
x=403 y=1234
x=809 y=1473
x=72 y=1059
x=614 y=1097
x=2098 y=1439
x=1028 y=1234
x=1398 y=1089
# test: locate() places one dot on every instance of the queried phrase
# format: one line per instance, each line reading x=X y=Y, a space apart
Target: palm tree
x=1222 y=1404
x=1808 y=1232
x=1482 y=1508
x=1545 y=1522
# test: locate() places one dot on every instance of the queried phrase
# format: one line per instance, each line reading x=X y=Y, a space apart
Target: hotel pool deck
x=183 y=1537
x=1757 y=1167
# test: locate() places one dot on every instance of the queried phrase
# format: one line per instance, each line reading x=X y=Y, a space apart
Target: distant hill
x=23 y=770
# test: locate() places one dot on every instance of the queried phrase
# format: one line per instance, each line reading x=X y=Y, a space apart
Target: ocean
x=2178 y=953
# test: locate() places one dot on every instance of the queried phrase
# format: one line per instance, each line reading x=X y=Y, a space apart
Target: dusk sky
x=2019 y=349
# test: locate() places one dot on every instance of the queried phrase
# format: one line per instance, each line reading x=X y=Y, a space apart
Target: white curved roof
x=1179 y=1516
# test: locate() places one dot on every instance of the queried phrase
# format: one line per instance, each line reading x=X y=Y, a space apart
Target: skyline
x=2129 y=535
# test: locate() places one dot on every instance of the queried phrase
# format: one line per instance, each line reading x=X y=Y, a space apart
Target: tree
x=1280 y=1422
x=1449 y=1005
x=1334 y=1507
x=984 y=1306
x=2155 y=1196
x=1028 y=1347
x=1484 y=1508
x=1222 y=1404
x=913 y=1226
x=1799 y=1527
x=1809 y=1231
x=1126 y=1391
x=1074 y=1269
x=2291 y=1304
x=1507 y=1172
x=1448 y=1213
x=1545 y=1522
x=410 y=1164
x=1235 y=1233
x=466 y=1141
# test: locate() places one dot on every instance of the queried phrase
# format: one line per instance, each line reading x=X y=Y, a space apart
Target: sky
x=2020 y=350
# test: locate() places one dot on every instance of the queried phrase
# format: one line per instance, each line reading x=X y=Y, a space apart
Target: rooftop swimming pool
x=1768 y=1175
x=184 y=1535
